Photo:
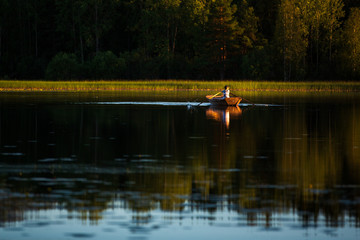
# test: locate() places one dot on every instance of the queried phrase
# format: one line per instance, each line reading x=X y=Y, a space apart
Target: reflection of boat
x=216 y=113
x=223 y=114
x=220 y=101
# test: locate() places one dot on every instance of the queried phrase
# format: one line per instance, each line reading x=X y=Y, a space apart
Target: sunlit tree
x=291 y=38
x=322 y=18
x=313 y=14
x=351 y=46
x=332 y=21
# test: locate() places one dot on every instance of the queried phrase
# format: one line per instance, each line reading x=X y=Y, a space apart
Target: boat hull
x=220 y=101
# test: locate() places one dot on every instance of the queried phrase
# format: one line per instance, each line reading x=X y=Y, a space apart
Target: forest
x=285 y=40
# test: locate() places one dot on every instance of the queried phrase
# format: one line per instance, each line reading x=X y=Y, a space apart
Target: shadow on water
x=142 y=167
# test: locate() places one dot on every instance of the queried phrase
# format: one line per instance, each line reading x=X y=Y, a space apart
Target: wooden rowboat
x=220 y=101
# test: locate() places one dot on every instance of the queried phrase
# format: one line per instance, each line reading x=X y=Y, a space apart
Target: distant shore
x=175 y=85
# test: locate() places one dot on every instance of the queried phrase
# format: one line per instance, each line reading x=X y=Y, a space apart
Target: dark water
x=288 y=168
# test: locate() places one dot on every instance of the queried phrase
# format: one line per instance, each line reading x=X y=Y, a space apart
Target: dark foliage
x=152 y=39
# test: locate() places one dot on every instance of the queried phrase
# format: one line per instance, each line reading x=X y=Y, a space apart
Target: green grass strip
x=175 y=85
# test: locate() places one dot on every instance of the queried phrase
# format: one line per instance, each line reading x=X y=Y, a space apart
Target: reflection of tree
x=311 y=159
x=299 y=161
x=352 y=144
x=307 y=158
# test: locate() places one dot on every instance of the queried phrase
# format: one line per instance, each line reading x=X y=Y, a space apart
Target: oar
x=210 y=97
x=248 y=101
x=243 y=99
x=214 y=95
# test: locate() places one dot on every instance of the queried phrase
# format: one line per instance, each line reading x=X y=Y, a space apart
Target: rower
x=226 y=92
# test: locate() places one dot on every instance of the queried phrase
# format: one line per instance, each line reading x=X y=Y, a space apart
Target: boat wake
x=187 y=104
x=258 y=105
x=192 y=104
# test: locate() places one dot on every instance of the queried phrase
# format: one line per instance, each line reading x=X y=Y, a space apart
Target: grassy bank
x=176 y=85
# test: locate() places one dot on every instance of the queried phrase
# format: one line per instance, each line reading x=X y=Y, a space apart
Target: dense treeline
x=180 y=39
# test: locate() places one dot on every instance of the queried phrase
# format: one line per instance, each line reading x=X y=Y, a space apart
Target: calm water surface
x=93 y=168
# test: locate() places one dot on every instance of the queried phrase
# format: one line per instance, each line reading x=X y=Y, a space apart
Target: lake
x=83 y=166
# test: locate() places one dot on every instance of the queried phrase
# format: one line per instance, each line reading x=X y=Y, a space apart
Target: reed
x=177 y=85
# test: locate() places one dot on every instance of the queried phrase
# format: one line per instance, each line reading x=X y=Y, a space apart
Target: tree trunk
x=284 y=46
x=174 y=40
x=168 y=50
x=0 y=42
x=168 y=36
x=36 y=30
x=36 y=40
x=81 y=44
x=353 y=62
x=81 y=48
x=330 y=47
x=317 y=49
x=290 y=69
x=80 y=39
x=74 y=28
x=96 y=28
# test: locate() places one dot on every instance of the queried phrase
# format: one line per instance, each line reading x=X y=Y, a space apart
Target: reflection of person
x=226 y=118
x=226 y=92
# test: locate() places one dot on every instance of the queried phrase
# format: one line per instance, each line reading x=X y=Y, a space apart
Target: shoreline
x=175 y=85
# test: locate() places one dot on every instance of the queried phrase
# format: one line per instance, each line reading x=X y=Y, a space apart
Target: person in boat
x=226 y=92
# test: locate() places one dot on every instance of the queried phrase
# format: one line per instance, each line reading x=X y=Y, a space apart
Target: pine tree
x=223 y=33
x=248 y=22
